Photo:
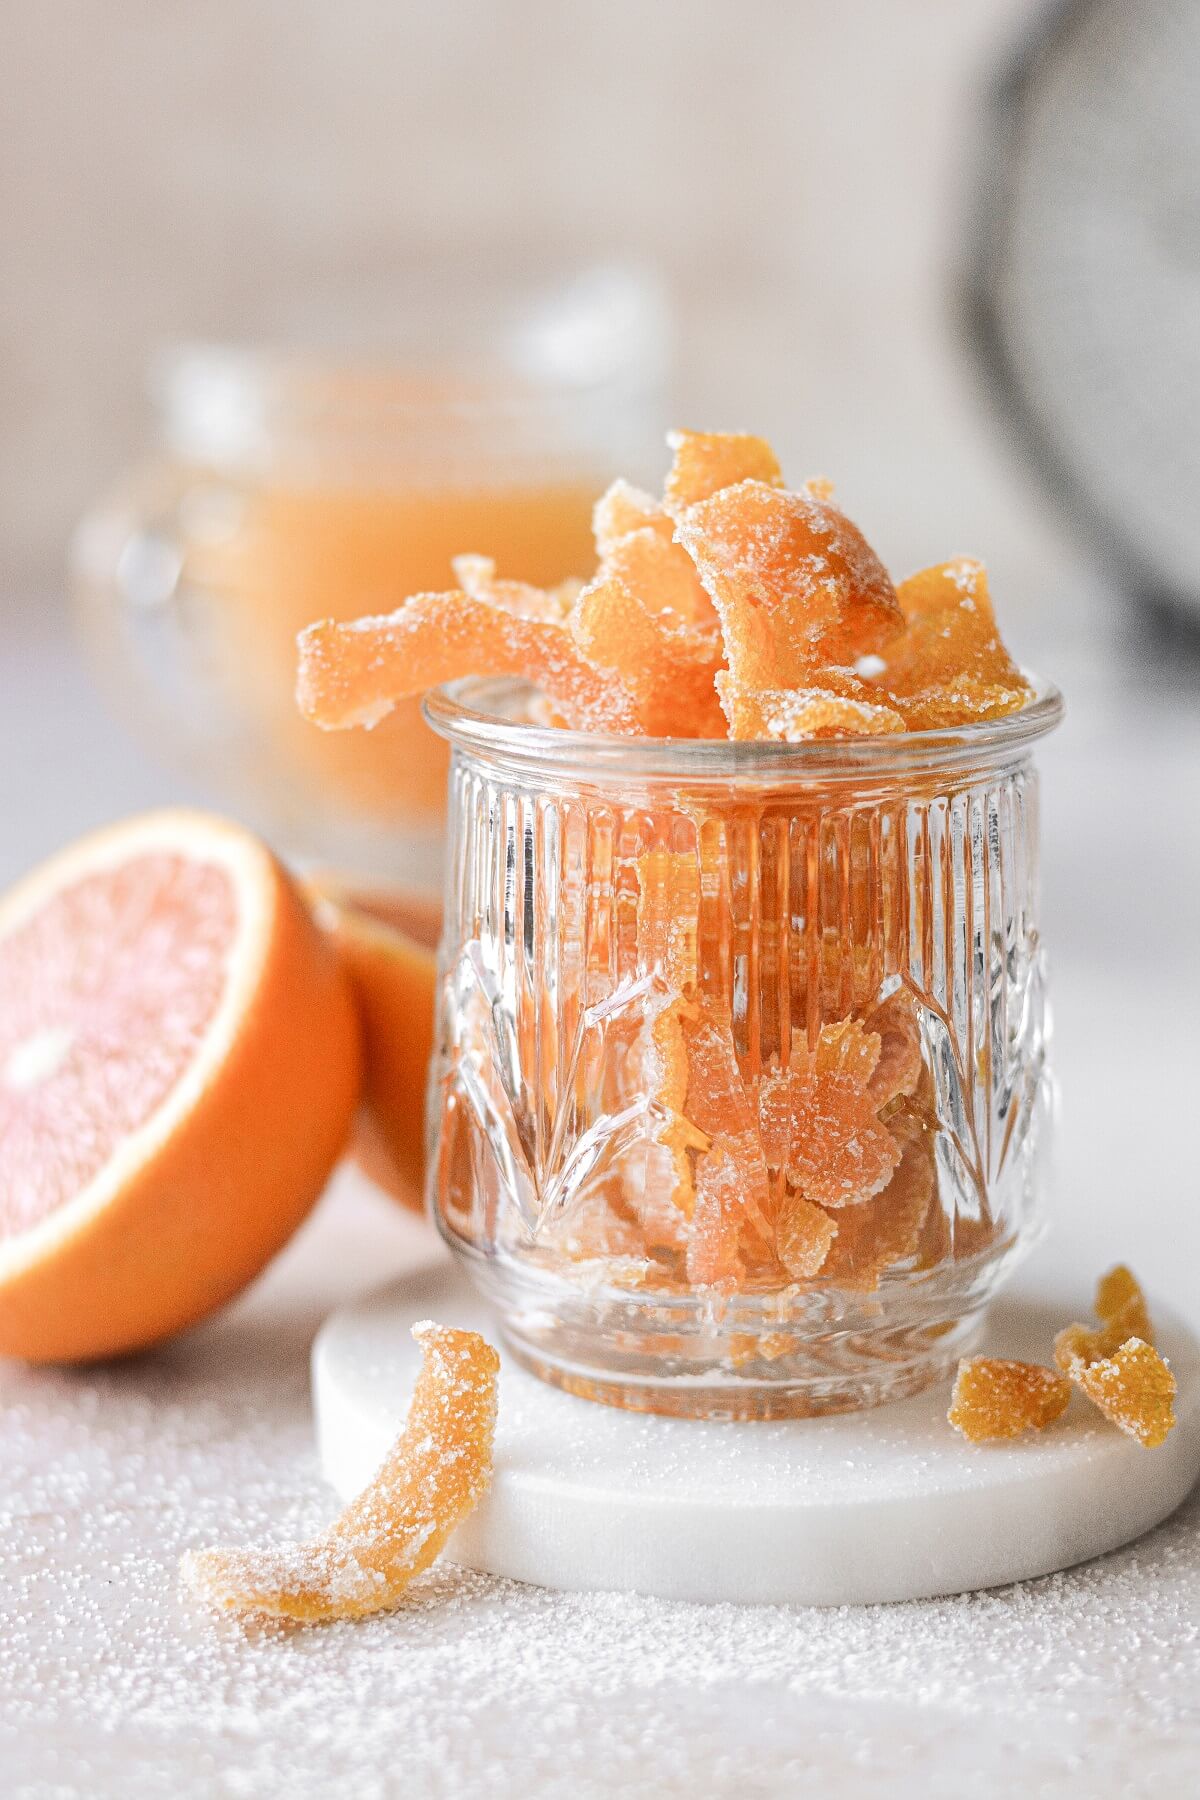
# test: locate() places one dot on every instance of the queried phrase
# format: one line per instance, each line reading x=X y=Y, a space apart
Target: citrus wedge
x=387 y=942
x=179 y=1066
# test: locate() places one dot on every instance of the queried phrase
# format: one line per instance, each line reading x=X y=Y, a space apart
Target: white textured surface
x=1082 y=1686
x=884 y=1505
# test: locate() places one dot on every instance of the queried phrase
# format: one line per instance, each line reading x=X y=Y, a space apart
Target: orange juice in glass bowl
x=294 y=484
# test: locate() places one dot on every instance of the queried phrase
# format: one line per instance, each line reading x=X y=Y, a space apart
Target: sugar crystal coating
x=1123 y=1314
x=732 y=585
x=436 y=1473
x=995 y=1398
x=1134 y=1388
x=707 y=461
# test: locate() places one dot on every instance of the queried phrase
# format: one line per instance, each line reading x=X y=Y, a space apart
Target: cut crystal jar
x=740 y=1095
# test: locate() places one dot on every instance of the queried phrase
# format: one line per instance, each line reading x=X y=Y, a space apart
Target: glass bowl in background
x=296 y=482
x=740 y=1090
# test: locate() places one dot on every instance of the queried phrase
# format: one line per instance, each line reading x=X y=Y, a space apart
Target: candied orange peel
x=732 y=606
x=1134 y=1389
x=1115 y=1363
x=1123 y=1314
x=435 y=1475
x=996 y=1398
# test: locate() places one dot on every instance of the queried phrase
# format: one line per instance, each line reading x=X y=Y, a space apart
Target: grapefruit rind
x=192 y=1203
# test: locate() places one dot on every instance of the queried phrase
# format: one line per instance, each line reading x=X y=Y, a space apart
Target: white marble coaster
x=889 y=1504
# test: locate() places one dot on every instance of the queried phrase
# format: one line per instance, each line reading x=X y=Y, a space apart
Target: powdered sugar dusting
x=113 y=1682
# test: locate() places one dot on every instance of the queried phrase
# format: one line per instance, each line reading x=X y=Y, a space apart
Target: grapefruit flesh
x=179 y=1066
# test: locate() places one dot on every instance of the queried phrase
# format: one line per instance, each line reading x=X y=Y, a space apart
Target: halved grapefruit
x=179 y=1067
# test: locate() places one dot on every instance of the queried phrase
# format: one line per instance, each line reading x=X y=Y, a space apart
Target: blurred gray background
x=797 y=171
x=800 y=174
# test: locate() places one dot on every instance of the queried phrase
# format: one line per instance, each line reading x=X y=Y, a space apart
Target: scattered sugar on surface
x=113 y=1681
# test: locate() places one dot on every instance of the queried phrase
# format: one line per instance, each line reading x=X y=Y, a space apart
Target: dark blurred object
x=1084 y=290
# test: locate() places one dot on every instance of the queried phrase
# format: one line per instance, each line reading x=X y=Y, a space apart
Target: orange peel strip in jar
x=804 y=1236
x=950 y=665
x=663 y=576
x=668 y=911
x=713 y=1255
x=995 y=1398
x=666 y=665
x=795 y=584
x=898 y=1070
x=793 y=715
x=718 y=1105
x=623 y=508
x=1134 y=1389
x=820 y=1123
x=437 y=1473
x=707 y=461
x=877 y=1233
x=353 y=674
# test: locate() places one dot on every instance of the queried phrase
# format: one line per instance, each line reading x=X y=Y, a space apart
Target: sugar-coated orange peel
x=1134 y=1389
x=995 y=1398
x=949 y=665
x=797 y=588
x=434 y=1476
x=730 y=607
x=707 y=461
x=1116 y=1365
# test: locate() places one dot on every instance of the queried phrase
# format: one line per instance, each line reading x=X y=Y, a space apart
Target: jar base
x=807 y=1386
x=793 y=1354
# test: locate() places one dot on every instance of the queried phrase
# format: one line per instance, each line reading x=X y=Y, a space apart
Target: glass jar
x=740 y=1092
x=295 y=484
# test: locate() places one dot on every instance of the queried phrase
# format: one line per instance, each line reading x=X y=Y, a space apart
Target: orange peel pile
x=435 y=1475
x=1115 y=1365
x=731 y=607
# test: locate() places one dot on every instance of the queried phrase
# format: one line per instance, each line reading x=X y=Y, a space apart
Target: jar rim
x=481 y=714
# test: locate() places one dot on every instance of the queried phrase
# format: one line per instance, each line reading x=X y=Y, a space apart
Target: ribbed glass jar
x=740 y=1092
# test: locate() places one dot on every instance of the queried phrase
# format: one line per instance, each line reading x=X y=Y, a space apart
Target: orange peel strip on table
x=995 y=1398
x=435 y=1475
x=1134 y=1389
x=1123 y=1313
x=1116 y=1364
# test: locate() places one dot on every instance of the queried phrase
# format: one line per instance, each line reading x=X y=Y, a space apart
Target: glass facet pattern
x=741 y=1089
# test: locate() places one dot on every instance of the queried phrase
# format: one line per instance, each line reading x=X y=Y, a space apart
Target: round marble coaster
x=883 y=1505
